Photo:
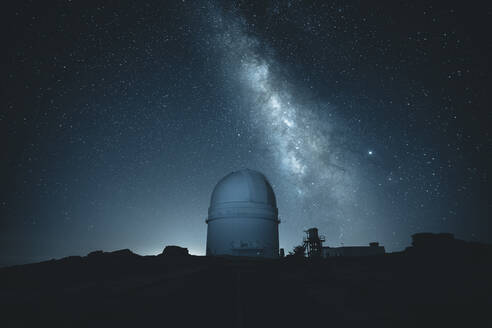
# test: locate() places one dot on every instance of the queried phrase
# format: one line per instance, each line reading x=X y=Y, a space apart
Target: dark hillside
x=422 y=286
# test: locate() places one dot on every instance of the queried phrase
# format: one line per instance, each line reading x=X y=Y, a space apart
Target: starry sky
x=372 y=122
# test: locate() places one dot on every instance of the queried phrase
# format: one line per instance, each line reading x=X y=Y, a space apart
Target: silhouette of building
x=372 y=249
x=433 y=240
x=243 y=217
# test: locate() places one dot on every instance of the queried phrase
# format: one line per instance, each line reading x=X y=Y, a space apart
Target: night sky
x=371 y=121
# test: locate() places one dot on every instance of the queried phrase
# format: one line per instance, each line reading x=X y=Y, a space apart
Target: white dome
x=243 y=216
x=244 y=186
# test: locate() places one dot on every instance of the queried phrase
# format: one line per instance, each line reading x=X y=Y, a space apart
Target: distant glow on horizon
x=196 y=251
x=148 y=251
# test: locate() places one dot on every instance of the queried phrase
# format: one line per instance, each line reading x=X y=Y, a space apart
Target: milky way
x=309 y=150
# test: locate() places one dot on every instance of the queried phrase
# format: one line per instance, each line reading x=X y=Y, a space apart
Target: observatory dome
x=244 y=186
x=243 y=216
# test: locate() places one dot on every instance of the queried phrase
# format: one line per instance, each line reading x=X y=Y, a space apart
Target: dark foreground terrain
x=421 y=287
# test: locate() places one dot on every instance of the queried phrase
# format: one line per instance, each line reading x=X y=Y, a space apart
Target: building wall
x=243 y=237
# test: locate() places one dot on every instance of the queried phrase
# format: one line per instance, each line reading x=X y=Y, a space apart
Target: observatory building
x=243 y=216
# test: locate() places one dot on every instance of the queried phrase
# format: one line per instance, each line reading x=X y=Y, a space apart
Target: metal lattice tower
x=313 y=243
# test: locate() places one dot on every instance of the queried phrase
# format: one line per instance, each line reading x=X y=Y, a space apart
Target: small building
x=372 y=249
x=430 y=240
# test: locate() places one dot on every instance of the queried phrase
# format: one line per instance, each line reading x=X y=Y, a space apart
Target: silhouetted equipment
x=313 y=246
x=313 y=243
x=175 y=251
x=243 y=217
